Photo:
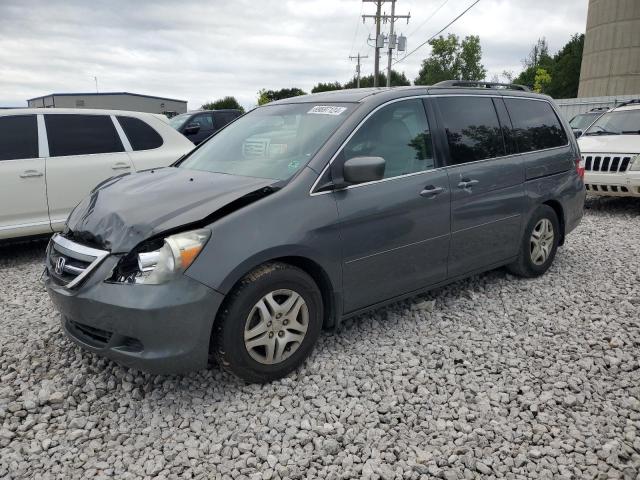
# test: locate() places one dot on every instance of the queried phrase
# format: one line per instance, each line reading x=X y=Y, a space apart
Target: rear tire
x=539 y=244
x=269 y=323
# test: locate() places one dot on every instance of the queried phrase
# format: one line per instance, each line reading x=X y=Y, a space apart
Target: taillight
x=580 y=167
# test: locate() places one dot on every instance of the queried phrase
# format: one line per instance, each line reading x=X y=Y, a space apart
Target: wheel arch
x=559 y=210
x=312 y=267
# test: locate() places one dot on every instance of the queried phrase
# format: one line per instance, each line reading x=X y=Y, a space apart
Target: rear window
x=472 y=128
x=140 y=134
x=535 y=125
x=18 y=137
x=81 y=135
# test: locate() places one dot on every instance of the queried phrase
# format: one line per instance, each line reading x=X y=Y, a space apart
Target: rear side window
x=535 y=125
x=81 y=135
x=140 y=134
x=472 y=128
x=18 y=137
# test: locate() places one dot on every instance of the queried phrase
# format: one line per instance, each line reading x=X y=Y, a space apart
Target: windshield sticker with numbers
x=327 y=110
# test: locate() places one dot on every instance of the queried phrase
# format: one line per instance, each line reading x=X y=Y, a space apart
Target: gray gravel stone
x=492 y=376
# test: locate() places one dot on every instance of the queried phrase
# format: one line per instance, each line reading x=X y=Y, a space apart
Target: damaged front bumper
x=155 y=328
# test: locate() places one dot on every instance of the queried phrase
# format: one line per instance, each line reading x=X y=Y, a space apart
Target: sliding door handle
x=467 y=183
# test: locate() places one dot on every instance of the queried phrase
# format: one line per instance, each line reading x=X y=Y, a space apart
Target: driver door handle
x=430 y=191
x=465 y=183
x=31 y=173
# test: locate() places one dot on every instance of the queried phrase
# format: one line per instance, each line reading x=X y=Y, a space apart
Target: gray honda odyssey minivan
x=309 y=210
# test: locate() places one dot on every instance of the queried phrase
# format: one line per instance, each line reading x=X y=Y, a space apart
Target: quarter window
x=141 y=135
x=472 y=128
x=18 y=137
x=535 y=125
x=81 y=135
x=399 y=133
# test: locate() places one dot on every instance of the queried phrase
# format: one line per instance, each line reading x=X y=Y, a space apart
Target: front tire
x=269 y=324
x=539 y=244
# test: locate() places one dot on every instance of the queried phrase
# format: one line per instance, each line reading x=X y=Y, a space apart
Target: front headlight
x=176 y=255
x=635 y=163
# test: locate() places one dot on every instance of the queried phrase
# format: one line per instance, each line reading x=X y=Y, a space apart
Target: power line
x=428 y=18
x=355 y=35
x=436 y=34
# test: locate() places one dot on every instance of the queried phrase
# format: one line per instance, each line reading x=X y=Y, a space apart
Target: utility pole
x=376 y=19
x=358 y=66
x=391 y=40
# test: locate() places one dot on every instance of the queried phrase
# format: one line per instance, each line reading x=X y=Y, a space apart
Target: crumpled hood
x=126 y=210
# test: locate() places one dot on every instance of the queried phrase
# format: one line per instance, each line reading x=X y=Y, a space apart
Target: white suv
x=610 y=152
x=51 y=158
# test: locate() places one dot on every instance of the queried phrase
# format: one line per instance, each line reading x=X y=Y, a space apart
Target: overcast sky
x=200 y=50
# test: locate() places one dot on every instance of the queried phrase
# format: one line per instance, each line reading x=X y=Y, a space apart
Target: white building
x=111 y=101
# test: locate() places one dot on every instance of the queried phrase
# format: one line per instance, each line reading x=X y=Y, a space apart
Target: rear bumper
x=155 y=328
x=613 y=184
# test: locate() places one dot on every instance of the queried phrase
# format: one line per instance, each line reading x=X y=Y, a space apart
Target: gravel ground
x=490 y=377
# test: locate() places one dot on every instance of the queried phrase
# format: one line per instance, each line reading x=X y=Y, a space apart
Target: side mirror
x=578 y=133
x=192 y=128
x=363 y=169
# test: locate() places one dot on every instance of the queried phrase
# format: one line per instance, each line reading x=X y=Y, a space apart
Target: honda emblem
x=60 y=263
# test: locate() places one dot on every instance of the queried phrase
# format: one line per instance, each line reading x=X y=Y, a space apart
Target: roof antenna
x=96 y=79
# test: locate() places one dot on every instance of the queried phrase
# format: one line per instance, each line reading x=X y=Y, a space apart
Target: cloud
x=200 y=51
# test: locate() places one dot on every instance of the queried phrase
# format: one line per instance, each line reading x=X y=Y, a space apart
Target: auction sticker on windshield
x=327 y=110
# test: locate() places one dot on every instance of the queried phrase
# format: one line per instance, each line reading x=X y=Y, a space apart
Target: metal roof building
x=111 y=101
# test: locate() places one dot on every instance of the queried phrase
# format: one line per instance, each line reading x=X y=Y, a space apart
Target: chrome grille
x=607 y=163
x=68 y=262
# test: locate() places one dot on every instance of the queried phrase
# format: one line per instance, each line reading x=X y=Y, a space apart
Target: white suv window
x=18 y=137
x=81 y=135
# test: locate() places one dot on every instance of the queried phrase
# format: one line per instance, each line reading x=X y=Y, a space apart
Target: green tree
x=470 y=56
x=565 y=74
x=452 y=59
x=538 y=57
x=541 y=81
x=223 y=103
x=326 y=87
x=266 y=96
x=397 y=80
x=563 y=67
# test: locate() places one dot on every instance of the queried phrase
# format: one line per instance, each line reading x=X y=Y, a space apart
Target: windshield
x=271 y=141
x=177 y=121
x=616 y=123
x=582 y=121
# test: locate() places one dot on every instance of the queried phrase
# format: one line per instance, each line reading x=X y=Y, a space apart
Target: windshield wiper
x=602 y=132
x=631 y=132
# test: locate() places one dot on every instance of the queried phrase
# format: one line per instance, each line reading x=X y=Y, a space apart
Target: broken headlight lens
x=176 y=255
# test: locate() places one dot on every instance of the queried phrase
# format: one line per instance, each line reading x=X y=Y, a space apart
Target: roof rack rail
x=628 y=102
x=479 y=84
